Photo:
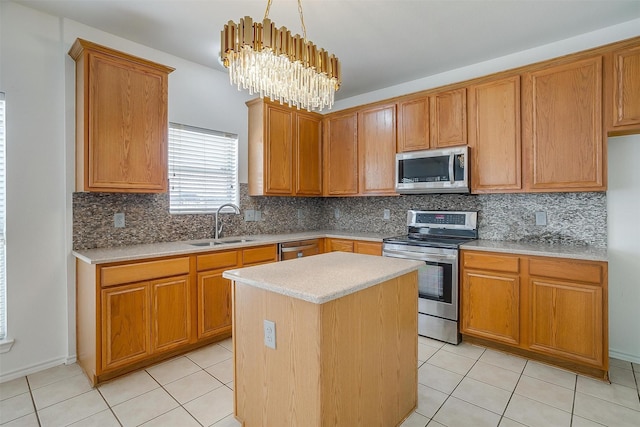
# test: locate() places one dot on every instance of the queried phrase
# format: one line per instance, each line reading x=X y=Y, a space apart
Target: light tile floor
x=462 y=385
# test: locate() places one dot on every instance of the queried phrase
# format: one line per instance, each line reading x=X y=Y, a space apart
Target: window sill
x=5 y=345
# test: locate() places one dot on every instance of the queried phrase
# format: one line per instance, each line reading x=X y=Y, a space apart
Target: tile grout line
x=109 y=406
x=33 y=402
x=513 y=392
x=573 y=404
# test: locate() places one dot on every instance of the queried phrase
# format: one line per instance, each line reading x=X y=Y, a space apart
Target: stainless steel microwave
x=444 y=170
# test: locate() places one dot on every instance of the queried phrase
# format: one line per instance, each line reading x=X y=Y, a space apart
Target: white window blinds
x=203 y=169
x=3 y=282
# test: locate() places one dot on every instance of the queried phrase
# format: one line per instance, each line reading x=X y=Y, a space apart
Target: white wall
x=623 y=218
x=38 y=77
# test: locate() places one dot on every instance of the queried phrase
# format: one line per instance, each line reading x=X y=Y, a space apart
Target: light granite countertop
x=589 y=253
x=325 y=277
x=155 y=250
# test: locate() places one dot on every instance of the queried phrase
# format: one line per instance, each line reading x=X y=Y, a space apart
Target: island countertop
x=322 y=278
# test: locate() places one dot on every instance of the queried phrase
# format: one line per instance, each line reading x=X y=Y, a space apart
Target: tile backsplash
x=572 y=218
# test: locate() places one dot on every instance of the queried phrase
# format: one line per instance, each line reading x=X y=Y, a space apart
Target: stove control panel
x=442 y=219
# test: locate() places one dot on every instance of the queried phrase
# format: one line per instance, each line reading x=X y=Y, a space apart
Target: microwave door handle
x=451 y=160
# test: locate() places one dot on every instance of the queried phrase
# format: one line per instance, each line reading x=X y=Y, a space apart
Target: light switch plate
x=249 y=215
x=258 y=216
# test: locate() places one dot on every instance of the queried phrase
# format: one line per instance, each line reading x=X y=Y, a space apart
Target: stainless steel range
x=434 y=237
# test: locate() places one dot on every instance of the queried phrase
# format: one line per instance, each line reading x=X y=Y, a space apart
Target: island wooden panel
x=350 y=361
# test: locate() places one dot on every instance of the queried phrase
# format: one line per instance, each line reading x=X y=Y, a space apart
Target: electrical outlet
x=300 y=214
x=249 y=215
x=336 y=213
x=541 y=218
x=270 y=334
x=387 y=214
x=118 y=220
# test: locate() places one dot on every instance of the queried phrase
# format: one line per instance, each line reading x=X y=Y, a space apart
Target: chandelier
x=271 y=62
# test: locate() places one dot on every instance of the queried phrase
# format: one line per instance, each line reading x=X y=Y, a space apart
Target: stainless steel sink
x=220 y=242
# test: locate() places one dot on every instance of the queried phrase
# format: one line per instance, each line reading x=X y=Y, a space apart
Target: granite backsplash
x=572 y=218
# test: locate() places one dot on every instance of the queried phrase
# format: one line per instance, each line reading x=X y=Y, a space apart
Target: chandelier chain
x=304 y=28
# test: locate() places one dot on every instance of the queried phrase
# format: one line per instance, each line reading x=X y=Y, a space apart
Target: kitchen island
x=345 y=336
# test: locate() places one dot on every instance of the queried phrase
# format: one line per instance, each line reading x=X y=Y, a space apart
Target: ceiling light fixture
x=271 y=62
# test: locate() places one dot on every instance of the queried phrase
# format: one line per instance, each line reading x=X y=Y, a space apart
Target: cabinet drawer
x=217 y=260
x=259 y=255
x=483 y=261
x=336 y=245
x=130 y=273
x=589 y=272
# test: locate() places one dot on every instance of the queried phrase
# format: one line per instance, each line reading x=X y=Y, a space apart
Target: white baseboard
x=12 y=375
x=624 y=356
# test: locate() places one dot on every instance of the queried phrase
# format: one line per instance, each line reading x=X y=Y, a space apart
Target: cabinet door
x=214 y=304
x=491 y=306
x=625 y=89
x=308 y=155
x=367 y=248
x=278 y=156
x=449 y=118
x=127 y=126
x=171 y=314
x=562 y=123
x=494 y=136
x=377 y=149
x=566 y=320
x=341 y=155
x=126 y=327
x=413 y=125
x=339 y=245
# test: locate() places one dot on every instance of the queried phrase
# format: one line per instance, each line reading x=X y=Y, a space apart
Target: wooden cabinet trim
x=139 y=271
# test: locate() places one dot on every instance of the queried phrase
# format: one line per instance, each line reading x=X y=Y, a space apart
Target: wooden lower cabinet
x=357 y=246
x=552 y=309
x=133 y=314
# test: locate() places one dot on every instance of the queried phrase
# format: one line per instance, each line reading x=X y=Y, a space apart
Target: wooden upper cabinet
x=623 y=91
x=377 y=149
x=278 y=150
x=121 y=121
x=413 y=125
x=308 y=150
x=494 y=136
x=448 y=116
x=562 y=127
x=341 y=155
x=285 y=150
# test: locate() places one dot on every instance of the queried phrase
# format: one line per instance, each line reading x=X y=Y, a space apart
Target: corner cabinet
x=285 y=150
x=121 y=121
x=623 y=91
x=551 y=309
x=562 y=127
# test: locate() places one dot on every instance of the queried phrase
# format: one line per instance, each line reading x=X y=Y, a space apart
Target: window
x=3 y=282
x=203 y=169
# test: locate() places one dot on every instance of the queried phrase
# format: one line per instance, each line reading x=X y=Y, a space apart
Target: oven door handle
x=425 y=257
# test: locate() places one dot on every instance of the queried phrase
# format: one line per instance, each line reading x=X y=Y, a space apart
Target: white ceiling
x=379 y=43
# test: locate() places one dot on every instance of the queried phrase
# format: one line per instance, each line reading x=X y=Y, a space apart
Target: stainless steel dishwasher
x=298 y=249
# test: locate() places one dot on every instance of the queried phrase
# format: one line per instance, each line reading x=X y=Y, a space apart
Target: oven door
x=437 y=278
x=438 y=287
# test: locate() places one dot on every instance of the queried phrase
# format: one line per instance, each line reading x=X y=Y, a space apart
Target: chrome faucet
x=218 y=230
